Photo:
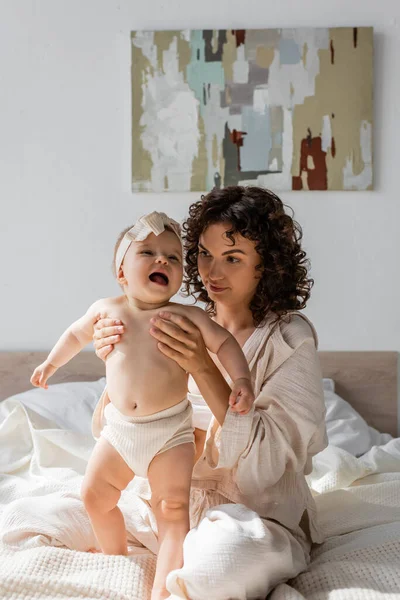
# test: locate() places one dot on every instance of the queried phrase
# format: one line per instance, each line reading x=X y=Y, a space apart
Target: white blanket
x=359 y=509
x=42 y=518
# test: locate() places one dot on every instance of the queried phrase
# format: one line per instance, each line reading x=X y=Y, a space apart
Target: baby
x=148 y=419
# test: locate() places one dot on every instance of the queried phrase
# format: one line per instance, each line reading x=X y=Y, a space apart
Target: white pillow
x=328 y=384
x=345 y=427
x=68 y=405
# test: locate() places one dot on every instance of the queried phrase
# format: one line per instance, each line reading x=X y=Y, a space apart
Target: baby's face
x=153 y=268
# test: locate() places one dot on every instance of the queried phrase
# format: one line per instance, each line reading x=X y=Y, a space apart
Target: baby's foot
x=160 y=594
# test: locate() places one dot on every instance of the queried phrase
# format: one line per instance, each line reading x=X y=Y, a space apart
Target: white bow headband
x=154 y=222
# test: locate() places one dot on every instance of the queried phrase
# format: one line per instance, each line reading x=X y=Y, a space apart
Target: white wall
x=65 y=165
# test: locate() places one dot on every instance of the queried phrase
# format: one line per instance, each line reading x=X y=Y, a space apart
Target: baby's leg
x=106 y=476
x=169 y=476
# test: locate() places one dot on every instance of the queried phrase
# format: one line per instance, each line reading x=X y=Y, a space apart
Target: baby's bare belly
x=140 y=386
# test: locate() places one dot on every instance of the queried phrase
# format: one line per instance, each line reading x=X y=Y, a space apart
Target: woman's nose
x=215 y=272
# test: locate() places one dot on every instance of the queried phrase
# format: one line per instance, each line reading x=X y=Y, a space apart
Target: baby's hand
x=242 y=396
x=41 y=375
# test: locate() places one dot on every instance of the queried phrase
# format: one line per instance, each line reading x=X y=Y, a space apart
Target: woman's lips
x=216 y=289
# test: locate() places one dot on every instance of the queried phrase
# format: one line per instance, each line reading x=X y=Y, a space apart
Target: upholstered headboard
x=367 y=380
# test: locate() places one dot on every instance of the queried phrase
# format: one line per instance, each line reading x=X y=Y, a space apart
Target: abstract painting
x=285 y=109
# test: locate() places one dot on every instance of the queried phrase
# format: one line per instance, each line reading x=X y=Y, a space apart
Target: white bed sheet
x=42 y=518
x=359 y=507
x=44 y=530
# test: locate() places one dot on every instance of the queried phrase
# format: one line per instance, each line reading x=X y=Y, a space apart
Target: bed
x=45 y=442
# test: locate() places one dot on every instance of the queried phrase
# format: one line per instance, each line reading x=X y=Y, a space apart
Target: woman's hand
x=107 y=332
x=180 y=340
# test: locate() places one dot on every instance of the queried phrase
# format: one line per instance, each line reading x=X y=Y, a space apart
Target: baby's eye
x=147 y=252
x=173 y=257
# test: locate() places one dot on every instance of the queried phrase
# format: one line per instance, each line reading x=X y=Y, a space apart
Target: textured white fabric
x=45 y=532
x=347 y=429
x=235 y=554
x=68 y=405
x=139 y=439
x=44 y=529
x=361 y=557
x=49 y=573
x=42 y=518
x=202 y=414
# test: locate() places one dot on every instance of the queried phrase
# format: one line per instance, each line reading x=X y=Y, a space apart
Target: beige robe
x=261 y=459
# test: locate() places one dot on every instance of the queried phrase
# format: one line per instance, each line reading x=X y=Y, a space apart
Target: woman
x=253 y=518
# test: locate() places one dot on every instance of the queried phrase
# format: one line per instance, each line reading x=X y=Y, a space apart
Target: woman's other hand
x=107 y=332
x=180 y=340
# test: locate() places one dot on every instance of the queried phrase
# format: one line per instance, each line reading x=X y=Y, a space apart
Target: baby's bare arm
x=76 y=337
x=219 y=341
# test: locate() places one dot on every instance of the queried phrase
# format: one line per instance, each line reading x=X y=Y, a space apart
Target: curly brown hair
x=258 y=215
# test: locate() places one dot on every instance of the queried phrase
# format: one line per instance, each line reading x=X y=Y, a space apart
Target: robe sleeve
x=283 y=430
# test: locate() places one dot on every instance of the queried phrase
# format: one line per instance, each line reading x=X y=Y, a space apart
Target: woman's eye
x=232 y=259
x=203 y=253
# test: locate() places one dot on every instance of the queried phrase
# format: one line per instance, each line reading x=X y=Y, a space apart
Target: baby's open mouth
x=159 y=278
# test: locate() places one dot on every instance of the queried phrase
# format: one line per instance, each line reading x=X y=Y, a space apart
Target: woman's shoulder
x=278 y=341
x=285 y=334
x=295 y=328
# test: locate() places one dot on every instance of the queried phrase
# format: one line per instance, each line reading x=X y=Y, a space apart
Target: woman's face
x=228 y=271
